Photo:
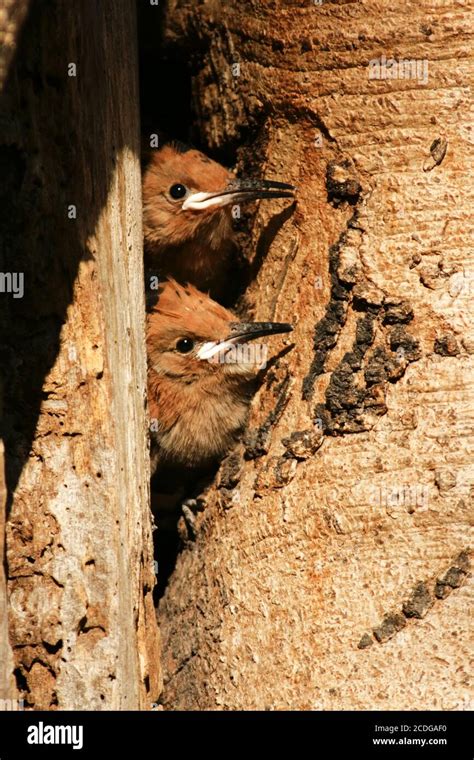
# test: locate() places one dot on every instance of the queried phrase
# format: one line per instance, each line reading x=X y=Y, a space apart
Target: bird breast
x=204 y=427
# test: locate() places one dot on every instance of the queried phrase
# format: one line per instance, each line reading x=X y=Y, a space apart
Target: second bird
x=187 y=214
x=201 y=376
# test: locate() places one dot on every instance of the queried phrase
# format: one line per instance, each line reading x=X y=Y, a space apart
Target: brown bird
x=201 y=376
x=187 y=214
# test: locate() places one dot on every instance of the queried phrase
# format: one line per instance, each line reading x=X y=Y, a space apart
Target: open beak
x=240 y=191
x=242 y=332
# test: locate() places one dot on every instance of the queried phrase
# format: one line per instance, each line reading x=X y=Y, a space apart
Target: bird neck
x=202 y=258
x=198 y=420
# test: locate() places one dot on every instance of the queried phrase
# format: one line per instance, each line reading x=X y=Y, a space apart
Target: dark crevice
x=53 y=648
x=421 y=599
x=21 y=682
x=328 y=328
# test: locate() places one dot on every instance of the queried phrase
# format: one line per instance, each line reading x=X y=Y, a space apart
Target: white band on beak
x=208 y=350
x=201 y=201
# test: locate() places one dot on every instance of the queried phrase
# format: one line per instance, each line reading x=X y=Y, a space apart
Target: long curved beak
x=240 y=191
x=242 y=332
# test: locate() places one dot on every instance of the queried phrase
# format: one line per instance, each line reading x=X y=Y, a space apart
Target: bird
x=203 y=371
x=187 y=214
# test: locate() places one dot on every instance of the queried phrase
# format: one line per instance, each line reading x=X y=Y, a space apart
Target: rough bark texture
x=79 y=552
x=335 y=576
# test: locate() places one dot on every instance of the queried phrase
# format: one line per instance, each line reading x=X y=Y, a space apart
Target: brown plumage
x=187 y=214
x=201 y=376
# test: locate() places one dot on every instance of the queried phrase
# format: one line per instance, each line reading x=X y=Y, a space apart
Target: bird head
x=200 y=375
x=191 y=338
x=184 y=192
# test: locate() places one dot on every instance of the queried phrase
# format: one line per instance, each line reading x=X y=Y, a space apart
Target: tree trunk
x=79 y=550
x=330 y=568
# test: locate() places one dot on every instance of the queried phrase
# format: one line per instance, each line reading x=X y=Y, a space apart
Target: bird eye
x=184 y=345
x=178 y=191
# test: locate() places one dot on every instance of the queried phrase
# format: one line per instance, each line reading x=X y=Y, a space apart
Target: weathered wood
x=302 y=589
x=79 y=550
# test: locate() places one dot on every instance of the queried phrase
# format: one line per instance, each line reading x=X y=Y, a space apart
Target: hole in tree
x=166 y=73
x=165 y=101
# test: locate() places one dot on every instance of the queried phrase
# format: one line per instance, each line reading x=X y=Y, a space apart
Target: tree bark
x=79 y=550
x=331 y=564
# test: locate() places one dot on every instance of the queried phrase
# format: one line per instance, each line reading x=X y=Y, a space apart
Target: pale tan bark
x=79 y=550
x=12 y=16
x=306 y=552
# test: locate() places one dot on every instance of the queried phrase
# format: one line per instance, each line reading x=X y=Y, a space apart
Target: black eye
x=178 y=191
x=184 y=345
